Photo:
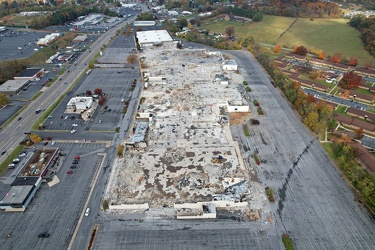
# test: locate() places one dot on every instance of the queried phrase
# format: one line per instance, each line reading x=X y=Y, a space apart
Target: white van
x=87 y=212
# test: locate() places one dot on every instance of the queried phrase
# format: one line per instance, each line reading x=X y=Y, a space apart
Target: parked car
x=69 y=172
x=73 y=166
x=43 y=235
x=73 y=131
x=22 y=154
x=75 y=162
x=75 y=125
x=19 y=118
x=11 y=166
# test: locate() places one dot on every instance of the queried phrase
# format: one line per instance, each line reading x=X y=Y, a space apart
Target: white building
x=230 y=65
x=153 y=37
x=237 y=106
x=144 y=23
x=47 y=39
x=80 y=103
x=186 y=13
x=172 y=13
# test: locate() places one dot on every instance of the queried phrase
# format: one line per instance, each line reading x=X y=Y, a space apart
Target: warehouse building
x=30 y=74
x=153 y=37
x=29 y=180
x=13 y=87
x=44 y=41
x=80 y=38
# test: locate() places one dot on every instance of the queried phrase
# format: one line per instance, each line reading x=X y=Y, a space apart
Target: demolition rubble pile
x=189 y=154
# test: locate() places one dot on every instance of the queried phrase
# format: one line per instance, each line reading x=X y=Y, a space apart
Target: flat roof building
x=80 y=38
x=153 y=37
x=47 y=39
x=13 y=87
x=30 y=74
x=144 y=23
x=80 y=103
x=230 y=65
x=28 y=180
x=18 y=198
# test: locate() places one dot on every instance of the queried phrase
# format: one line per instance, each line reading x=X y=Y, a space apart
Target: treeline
x=16 y=7
x=9 y=69
x=366 y=27
x=316 y=116
x=298 y=8
x=253 y=14
x=361 y=179
x=67 y=13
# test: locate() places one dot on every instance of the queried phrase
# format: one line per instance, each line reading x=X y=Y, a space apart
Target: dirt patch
x=238 y=118
x=190 y=154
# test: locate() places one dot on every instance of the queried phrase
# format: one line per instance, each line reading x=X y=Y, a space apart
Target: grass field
x=267 y=31
x=15 y=20
x=41 y=56
x=329 y=35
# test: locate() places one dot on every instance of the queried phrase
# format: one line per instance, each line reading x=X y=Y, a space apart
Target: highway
x=13 y=134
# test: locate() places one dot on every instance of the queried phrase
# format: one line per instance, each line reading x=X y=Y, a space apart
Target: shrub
x=246 y=130
x=287 y=242
x=256 y=103
x=254 y=122
x=98 y=91
x=245 y=83
x=260 y=111
x=269 y=193
x=132 y=58
x=124 y=110
x=105 y=204
x=256 y=159
x=117 y=129
x=120 y=150
x=248 y=89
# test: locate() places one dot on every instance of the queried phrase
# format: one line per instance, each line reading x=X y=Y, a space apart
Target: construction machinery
x=218 y=159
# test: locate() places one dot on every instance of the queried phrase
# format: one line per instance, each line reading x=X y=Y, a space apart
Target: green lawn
x=306 y=76
x=15 y=20
x=341 y=110
x=329 y=35
x=267 y=31
x=11 y=155
x=41 y=56
x=364 y=92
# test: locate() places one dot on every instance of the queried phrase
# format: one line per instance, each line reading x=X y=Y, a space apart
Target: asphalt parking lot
x=338 y=100
x=24 y=97
x=12 y=39
x=118 y=90
x=48 y=210
x=118 y=51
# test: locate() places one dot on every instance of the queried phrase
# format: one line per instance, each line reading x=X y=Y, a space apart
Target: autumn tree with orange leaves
x=336 y=58
x=301 y=50
x=353 y=61
x=277 y=49
x=350 y=80
x=322 y=55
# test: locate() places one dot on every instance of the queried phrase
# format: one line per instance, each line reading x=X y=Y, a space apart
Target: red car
x=69 y=172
